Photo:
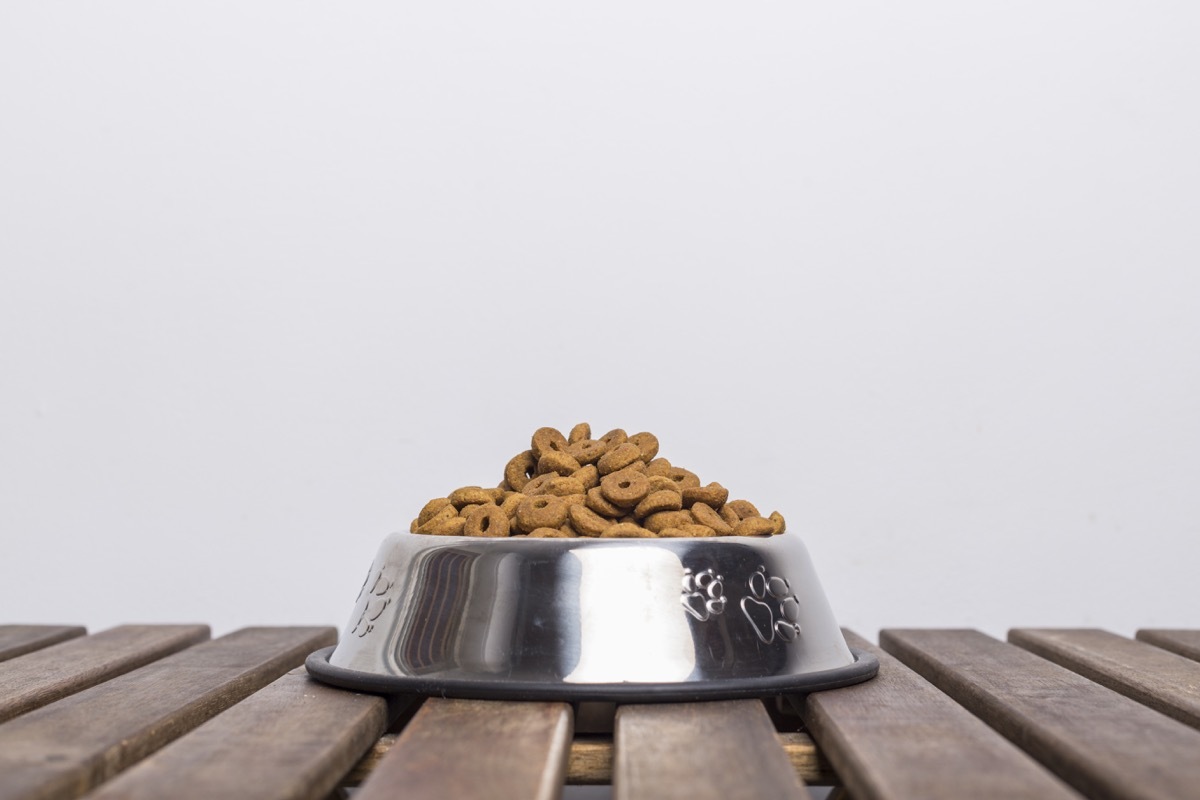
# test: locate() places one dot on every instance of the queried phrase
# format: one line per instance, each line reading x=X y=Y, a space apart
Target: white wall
x=923 y=276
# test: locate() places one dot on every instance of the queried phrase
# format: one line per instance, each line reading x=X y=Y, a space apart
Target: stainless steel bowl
x=629 y=620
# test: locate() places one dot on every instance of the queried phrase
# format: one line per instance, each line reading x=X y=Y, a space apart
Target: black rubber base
x=864 y=668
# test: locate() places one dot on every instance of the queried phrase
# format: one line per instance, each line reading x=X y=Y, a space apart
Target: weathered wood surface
x=293 y=740
x=17 y=640
x=1184 y=642
x=1100 y=742
x=590 y=761
x=476 y=748
x=1154 y=677
x=54 y=672
x=68 y=747
x=700 y=751
x=897 y=736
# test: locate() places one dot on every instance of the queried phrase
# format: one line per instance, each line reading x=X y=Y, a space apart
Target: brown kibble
x=780 y=524
x=432 y=507
x=647 y=443
x=754 y=526
x=575 y=499
x=597 y=502
x=546 y=440
x=662 y=500
x=618 y=458
x=543 y=511
x=520 y=469
x=412 y=526
x=538 y=484
x=626 y=530
x=589 y=476
x=687 y=531
x=683 y=478
x=448 y=526
x=569 y=530
x=446 y=512
x=714 y=495
x=467 y=509
x=510 y=503
x=587 y=522
x=705 y=515
x=588 y=451
x=579 y=433
x=729 y=515
x=486 y=520
x=561 y=487
x=659 y=466
x=557 y=461
x=743 y=508
x=548 y=533
x=668 y=519
x=614 y=437
x=625 y=488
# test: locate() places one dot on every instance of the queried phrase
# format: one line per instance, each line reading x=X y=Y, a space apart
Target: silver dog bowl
x=619 y=620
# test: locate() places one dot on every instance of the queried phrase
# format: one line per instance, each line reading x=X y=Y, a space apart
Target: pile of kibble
x=615 y=486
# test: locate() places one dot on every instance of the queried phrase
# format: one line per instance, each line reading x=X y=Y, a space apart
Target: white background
x=922 y=276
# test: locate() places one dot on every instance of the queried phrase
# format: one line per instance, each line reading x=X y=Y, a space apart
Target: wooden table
x=163 y=711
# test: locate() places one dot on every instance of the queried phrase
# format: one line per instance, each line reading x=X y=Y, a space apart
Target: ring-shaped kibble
x=470 y=496
x=446 y=512
x=660 y=483
x=668 y=519
x=447 y=527
x=510 y=503
x=543 y=511
x=705 y=515
x=557 y=461
x=538 y=484
x=662 y=500
x=780 y=523
x=520 y=469
x=729 y=515
x=658 y=466
x=548 y=533
x=743 y=508
x=614 y=437
x=466 y=510
x=489 y=520
x=647 y=443
x=568 y=530
x=586 y=521
x=626 y=530
x=574 y=499
x=432 y=507
x=625 y=489
x=588 y=451
x=686 y=532
x=714 y=495
x=412 y=526
x=597 y=502
x=618 y=458
x=754 y=526
x=579 y=433
x=546 y=440
x=589 y=476
x=561 y=487
x=684 y=479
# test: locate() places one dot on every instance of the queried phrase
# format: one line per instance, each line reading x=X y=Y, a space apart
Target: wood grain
x=294 y=740
x=590 y=760
x=17 y=640
x=696 y=751
x=54 y=672
x=1103 y=744
x=68 y=747
x=897 y=736
x=1164 y=681
x=476 y=748
x=1183 y=642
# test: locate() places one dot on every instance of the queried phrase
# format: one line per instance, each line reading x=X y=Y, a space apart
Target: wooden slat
x=1184 y=642
x=591 y=760
x=1164 y=681
x=896 y=736
x=17 y=640
x=1100 y=742
x=293 y=740
x=45 y=676
x=476 y=748
x=695 y=751
x=64 y=749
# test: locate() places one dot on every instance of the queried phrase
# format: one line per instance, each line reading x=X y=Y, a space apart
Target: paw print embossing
x=372 y=600
x=772 y=608
x=703 y=594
